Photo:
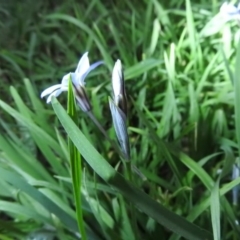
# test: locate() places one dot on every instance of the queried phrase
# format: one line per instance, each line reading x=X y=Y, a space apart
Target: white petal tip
x=85 y=55
x=118 y=63
x=49 y=99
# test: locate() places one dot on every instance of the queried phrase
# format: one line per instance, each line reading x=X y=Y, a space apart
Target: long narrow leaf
x=153 y=209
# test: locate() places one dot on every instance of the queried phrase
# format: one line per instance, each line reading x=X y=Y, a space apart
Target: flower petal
x=83 y=65
x=93 y=66
x=118 y=87
x=49 y=98
x=74 y=79
x=117 y=78
x=65 y=80
x=50 y=90
x=230 y=12
x=55 y=94
x=120 y=126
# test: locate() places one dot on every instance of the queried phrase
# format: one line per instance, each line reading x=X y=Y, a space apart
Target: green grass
x=181 y=66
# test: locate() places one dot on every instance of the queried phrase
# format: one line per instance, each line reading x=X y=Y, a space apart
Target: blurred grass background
x=179 y=67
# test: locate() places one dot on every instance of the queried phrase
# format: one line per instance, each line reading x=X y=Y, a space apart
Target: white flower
x=230 y=12
x=78 y=78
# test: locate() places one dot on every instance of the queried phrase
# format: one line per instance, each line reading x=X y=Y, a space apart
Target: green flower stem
x=75 y=164
x=76 y=173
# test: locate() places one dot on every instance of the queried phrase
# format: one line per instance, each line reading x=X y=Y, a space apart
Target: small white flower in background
x=78 y=80
x=230 y=12
x=227 y=12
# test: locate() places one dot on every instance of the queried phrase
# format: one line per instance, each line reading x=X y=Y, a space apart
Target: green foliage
x=182 y=81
